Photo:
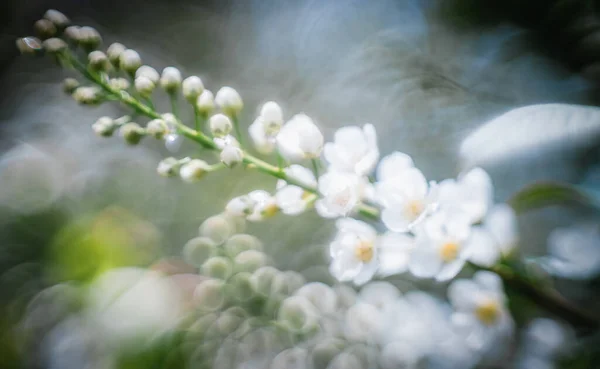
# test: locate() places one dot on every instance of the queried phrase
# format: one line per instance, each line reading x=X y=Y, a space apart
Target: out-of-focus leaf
x=528 y=129
x=544 y=194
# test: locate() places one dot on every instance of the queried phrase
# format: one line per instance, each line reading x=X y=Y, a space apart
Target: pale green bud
x=170 y=80
x=216 y=228
x=87 y=95
x=193 y=170
x=130 y=61
x=217 y=267
x=292 y=358
x=54 y=45
x=89 y=38
x=242 y=242
x=157 y=128
x=29 y=45
x=229 y=100
x=119 y=83
x=57 y=18
x=144 y=86
x=73 y=33
x=114 y=52
x=168 y=167
x=231 y=155
x=45 y=28
x=205 y=103
x=70 y=85
x=294 y=280
x=192 y=87
x=209 y=295
x=132 y=133
x=220 y=125
x=148 y=72
x=262 y=280
x=198 y=250
x=320 y=295
x=238 y=224
x=104 y=127
x=325 y=351
x=98 y=61
x=272 y=117
x=226 y=324
x=249 y=261
x=240 y=287
x=298 y=314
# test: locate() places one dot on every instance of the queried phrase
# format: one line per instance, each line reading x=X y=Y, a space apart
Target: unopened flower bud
x=70 y=85
x=192 y=88
x=157 y=128
x=217 y=267
x=170 y=79
x=209 y=295
x=44 y=28
x=130 y=61
x=241 y=242
x=198 y=250
x=250 y=260
x=104 y=127
x=193 y=170
x=114 y=52
x=216 y=228
x=205 y=103
x=54 y=45
x=231 y=155
x=73 y=33
x=148 y=72
x=87 y=95
x=132 y=133
x=220 y=125
x=144 y=86
x=57 y=18
x=119 y=83
x=29 y=45
x=168 y=167
x=298 y=314
x=98 y=61
x=262 y=279
x=272 y=117
x=237 y=224
x=240 y=286
x=229 y=100
x=173 y=142
x=89 y=38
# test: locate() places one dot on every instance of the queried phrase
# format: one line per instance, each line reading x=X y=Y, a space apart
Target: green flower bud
x=229 y=100
x=292 y=358
x=262 y=280
x=104 y=127
x=294 y=280
x=157 y=128
x=88 y=95
x=242 y=242
x=209 y=295
x=198 y=250
x=119 y=83
x=250 y=260
x=220 y=125
x=29 y=45
x=57 y=18
x=70 y=85
x=237 y=224
x=45 y=28
x=320 y=295
x=205 y=103
x=231 y=155
x=89 y=38
x=73 y=34
x=168 y=167
x=132 y=133
x=114 y=52
x=217 y=267
x=192 y=88
x=193 y=170
x=240 y=287
x=130 y=61
x=148 y=72
x=228 y=323
x=325 y=351
x=170 y=79
x=216 y=228
x=54 y=45
x=144 y=86
x=298 y=314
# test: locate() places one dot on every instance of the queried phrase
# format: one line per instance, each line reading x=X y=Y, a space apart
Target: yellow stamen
x=414 y=209
x=364 y=251
x=270 y=210
x=449 y=251
x=488 y=312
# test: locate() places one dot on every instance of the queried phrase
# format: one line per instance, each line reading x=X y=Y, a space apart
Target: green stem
x=238 y=131
x=198 y=119
x=174 y=108
x=315 y=166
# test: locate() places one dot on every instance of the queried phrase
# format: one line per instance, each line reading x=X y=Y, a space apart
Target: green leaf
x=544 y=194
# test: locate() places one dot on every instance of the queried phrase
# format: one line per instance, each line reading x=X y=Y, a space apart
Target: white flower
x=220 y=125
x=231 y=155
x=205 y=103
x=444 y=243
x=353 y=150
x=341 y=193
x=574 y=252
x=264 y=206
x=395 y=250
x=229 y=100
x=129 y=60
x=272 y=117
x=144 y=85
x=471 y=193
x=496 y=236
x=291 y=199
x=192 y=87
x=406 y=199
x=354 y=251
x=148 y=72
x=480 y=309
x=300 y=138
x=193 y=170
x=170 y=79
x=392 y=165
x=264 y=143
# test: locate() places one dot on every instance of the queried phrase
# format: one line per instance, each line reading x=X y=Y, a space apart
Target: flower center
x=488 y=312
x=414 y=208
x=364 y=251
x=449 y=251
x=343 y=198
x=270 y=210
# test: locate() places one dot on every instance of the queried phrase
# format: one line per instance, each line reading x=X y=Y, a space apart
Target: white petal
x=395 y=219
x=324 y=210
x=478 y=188
x=289 y=199
x=366 y=273
x=391 y=165
x=501 y=222
x=489 y=281
x=462 y=294
x=262 y=143
x=450 y=270
x=424 y=262
x=345 y=266
x=483 y=250
x=301 y=174
x=394 y=253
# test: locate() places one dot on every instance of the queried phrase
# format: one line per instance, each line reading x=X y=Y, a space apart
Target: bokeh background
x=428 y=74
